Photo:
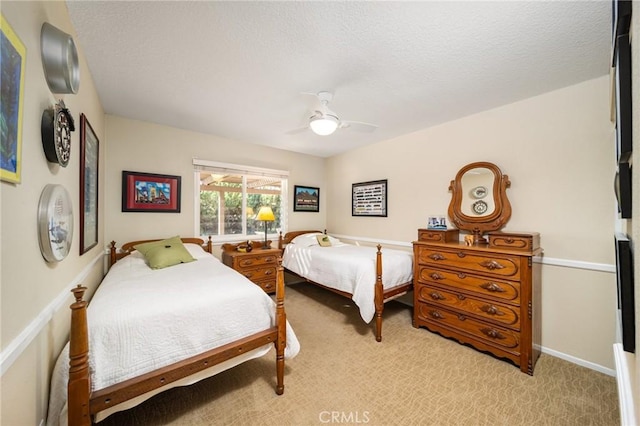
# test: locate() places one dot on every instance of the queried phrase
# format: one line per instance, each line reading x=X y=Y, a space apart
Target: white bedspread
x=351 y=269
x=142 y=319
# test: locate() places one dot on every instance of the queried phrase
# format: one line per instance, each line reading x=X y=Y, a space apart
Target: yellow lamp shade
x=265 y=213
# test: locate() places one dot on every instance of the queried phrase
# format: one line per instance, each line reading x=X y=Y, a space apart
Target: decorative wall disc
x=55 y=223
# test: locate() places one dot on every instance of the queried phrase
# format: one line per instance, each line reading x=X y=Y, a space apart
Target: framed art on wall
x=89 y=149
x=12 y=63
x=306 y=199
x=149 y=192
x=369 y=198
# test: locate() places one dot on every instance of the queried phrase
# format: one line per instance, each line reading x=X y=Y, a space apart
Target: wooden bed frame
x=84 y=404
x=381 y=297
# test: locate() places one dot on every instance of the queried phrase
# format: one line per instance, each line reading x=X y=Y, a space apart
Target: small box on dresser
x=438 y=235
x=485 y=296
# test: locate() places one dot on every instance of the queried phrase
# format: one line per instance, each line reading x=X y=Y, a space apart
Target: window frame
x=244 y=171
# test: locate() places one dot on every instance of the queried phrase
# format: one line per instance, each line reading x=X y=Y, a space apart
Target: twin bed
x=149 y=330
x=154 y=325
x=351 y=271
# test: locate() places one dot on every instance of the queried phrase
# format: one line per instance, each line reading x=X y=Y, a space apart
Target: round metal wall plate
x=55 y=223
x=59 y=59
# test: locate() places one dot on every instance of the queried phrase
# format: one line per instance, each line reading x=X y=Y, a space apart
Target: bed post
x=112 y=254
x=379 y=295
x=280 y=241
x=210 y=245
x=281 y=323
x=79 y=386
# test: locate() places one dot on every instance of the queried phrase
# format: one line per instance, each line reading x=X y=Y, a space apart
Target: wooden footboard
x=84 y=404
x=380 y=295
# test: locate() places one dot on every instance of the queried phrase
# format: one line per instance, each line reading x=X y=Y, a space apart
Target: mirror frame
x=491 y=222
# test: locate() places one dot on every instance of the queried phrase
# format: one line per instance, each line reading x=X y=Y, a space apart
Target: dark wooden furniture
x=381 y=297
x=259 y=265
x=487 y=296
x=83 y=404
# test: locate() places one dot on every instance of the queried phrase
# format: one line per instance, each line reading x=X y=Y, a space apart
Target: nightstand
x=259 y=265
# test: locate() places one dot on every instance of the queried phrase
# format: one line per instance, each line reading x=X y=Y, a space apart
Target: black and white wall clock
x=56 y=127
x=55 y=223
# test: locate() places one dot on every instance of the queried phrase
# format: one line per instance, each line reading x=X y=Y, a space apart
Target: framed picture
x=369 y=198
x=148 y=192
x=437 y=222
x=625 y=284
x=12 y=63
x=624 y=137
x=622 y=186
x=89 y=150
x=306 y=199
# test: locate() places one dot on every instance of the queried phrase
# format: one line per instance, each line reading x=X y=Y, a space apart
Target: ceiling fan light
x=324 y=125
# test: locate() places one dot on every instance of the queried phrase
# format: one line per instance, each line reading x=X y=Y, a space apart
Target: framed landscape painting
x=89 y=149
x=148 y=192
x=306 y=199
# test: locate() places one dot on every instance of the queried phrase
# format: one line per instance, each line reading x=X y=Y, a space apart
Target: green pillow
x=161 y=254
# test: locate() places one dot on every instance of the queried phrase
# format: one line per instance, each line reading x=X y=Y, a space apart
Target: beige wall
x=151 y=148
x=557 y=149
x=30 y=286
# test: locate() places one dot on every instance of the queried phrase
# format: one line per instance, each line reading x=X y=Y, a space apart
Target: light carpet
x=413 y=377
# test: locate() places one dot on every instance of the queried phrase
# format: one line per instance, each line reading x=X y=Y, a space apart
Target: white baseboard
x=20 y=343
x=582 y=362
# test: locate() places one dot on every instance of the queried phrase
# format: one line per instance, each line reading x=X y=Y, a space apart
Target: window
x=230 y=196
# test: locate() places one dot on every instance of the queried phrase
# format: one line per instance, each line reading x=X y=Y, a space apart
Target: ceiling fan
x=324 y=122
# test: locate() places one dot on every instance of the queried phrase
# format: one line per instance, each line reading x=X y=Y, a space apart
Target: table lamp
x=265 y=214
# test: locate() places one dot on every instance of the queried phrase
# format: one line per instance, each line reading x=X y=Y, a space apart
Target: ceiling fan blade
x=297 y=131
x=358 y=126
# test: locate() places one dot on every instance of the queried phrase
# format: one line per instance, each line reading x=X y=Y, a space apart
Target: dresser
x=487 y=296
x=259 y=265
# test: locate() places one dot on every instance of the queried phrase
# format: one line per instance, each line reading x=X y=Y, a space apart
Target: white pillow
x=195 y=250
x=306 y=240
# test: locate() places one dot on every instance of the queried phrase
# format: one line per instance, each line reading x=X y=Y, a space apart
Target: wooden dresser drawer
x=493 y=288
x=514 y=241
x=259 y=274
x=507 y=316
x=268 y=286
x=474 y=261
x=438 y=235
x=500 y=337
x=248 y=261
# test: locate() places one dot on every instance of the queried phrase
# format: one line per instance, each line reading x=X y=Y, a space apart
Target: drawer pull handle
x=269 y=259
x=268 y=272
x=493 y=333
x=436 y=276
x=461 y=254
x=436 y=314
x=436 y=256
x=491 y=310
x=491 y=265
x=436 y=296
x=461 y=297
x=462 y=317
x=509 y=240
x=492 y=287
x=462 y=276
x=267 y=285
x=248 y=274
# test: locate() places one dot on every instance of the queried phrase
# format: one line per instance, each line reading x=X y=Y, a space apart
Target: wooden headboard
x=289 y=236
x=128 y=248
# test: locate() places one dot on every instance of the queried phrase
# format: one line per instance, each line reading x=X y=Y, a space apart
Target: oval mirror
x=479 y=200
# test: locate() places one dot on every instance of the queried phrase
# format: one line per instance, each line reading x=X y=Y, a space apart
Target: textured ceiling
x=238 y=69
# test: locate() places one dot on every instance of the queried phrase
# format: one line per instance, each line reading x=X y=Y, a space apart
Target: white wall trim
x=625 y=392
x=567 y=263
x=13 y=351
x=579 y=361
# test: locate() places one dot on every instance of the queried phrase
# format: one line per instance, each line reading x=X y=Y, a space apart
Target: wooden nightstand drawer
x=257 y=260
x=259 y=273
x=268 y=286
